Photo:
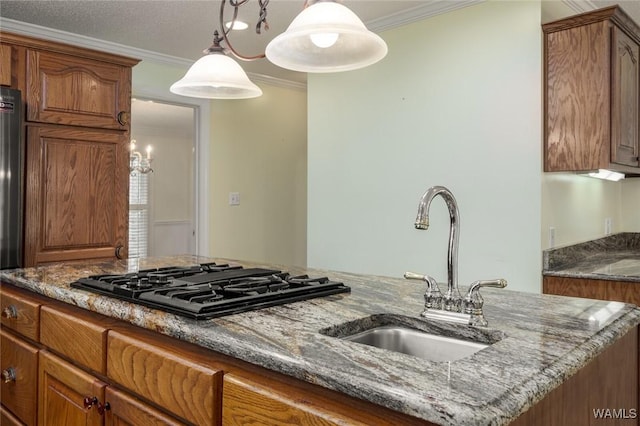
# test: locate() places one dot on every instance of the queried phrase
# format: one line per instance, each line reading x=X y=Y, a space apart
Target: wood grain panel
x=610 y=381
x=619 y=291
x=26 y=308
x=19 y=396
x=625 y=99
x=578 y=98
x=267 y=400
x=126 y=410
x=77 y=194
x=166 y=377
x=5 y=65
x=62 y=391
x=75 y=335
x=99 y=90
x=8 y=419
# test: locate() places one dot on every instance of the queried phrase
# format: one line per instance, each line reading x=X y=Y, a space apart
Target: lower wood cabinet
x=167 y=375
x=68 y=395
x=6 y=418
x=19 y=366
x=124 y=409
x=619 y=291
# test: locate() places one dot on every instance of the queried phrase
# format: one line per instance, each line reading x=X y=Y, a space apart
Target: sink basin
x=428 y=339
x=417 y=343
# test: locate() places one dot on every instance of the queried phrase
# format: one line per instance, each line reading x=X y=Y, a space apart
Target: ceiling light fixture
x=325 y=37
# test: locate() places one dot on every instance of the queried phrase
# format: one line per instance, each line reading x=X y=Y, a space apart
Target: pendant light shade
x=326 y=37
x=216 y=76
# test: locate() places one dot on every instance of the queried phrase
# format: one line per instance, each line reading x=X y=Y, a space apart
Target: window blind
x=138 y=215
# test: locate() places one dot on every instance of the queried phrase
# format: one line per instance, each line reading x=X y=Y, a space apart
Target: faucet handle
x=473 y=300
x=432 y=297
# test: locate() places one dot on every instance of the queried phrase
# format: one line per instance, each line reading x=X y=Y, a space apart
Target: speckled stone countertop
x=616 y=257
x=544 y=340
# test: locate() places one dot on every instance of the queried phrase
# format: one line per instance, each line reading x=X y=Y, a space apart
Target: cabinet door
x=67 y=395
x=77 y=194
x=625 y=99
x=5 y=65
x=126 y=410
x=66 y=89
x=19 y=366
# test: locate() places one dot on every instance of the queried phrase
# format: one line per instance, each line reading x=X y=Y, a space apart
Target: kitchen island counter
x=546 y=339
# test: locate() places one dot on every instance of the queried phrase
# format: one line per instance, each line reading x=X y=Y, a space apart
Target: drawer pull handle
x=10 y=312
x=9 y=375
x=119 y=251
x=123 y=118
x=89 y=402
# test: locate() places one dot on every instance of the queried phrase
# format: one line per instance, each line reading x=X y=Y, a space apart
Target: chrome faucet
x=452 y=300
x=451 y=306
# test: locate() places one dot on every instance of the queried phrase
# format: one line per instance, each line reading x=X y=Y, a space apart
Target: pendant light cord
x=261 y=22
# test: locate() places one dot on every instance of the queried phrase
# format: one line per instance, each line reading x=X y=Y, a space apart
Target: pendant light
x=216 y=76
x=326 y=37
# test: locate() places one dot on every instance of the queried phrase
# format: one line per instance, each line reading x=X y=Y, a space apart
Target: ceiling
x=183 y=28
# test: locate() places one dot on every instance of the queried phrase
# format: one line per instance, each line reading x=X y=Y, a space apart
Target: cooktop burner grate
x=210 y=290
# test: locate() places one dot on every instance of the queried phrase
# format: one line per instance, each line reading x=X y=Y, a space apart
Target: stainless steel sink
x=417 y=343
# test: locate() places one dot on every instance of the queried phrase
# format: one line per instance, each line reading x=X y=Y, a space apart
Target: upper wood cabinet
x=5 y=65
x=592 y=92
x=77 y=106
x=76 y=201
x=66 y=89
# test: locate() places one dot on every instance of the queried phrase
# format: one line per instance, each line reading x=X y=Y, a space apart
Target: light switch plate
x=234 y=198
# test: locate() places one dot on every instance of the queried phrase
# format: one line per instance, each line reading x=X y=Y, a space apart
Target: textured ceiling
x=183 y=28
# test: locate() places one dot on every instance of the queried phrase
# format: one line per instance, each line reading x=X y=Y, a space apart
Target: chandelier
x=325 y=37
x=138 y=163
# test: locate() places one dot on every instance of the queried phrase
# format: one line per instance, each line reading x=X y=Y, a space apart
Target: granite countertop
x=544 y=340
x=615 y=258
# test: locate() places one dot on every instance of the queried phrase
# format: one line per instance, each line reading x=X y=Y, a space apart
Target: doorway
x=162 y=213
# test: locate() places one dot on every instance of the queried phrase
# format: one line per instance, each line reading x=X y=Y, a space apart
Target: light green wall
x=457 y=102
x=258 y=148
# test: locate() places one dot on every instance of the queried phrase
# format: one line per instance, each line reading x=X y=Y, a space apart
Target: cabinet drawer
x=67 y=89
x=167 y=377
x=20 y=312
x=19 y=366
x=127 y=410
x=76 y=335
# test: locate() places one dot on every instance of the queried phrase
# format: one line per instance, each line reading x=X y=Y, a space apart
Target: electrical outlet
x=234 y=198
x=552 y=237
x=608 y=226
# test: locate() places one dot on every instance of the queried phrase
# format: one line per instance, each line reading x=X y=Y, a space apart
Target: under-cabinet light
x=606 y=175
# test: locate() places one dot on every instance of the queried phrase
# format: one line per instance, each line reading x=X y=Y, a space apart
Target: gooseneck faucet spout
x=452 y=299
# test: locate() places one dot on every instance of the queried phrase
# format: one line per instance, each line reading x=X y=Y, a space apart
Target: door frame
x=201 y=159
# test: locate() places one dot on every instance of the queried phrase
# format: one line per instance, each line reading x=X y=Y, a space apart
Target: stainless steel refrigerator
x=11 y=178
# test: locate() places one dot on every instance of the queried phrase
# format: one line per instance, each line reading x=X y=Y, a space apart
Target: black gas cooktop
x=210 y=290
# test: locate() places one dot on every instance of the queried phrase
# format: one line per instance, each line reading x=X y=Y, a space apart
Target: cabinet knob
x=119 y=252
x=9 y=375
x=10 y=312
x=89 y=402
x=123 y=118
x=103 y=408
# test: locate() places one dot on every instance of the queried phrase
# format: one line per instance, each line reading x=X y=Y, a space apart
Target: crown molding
x=418 y=13
x=38 y=31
